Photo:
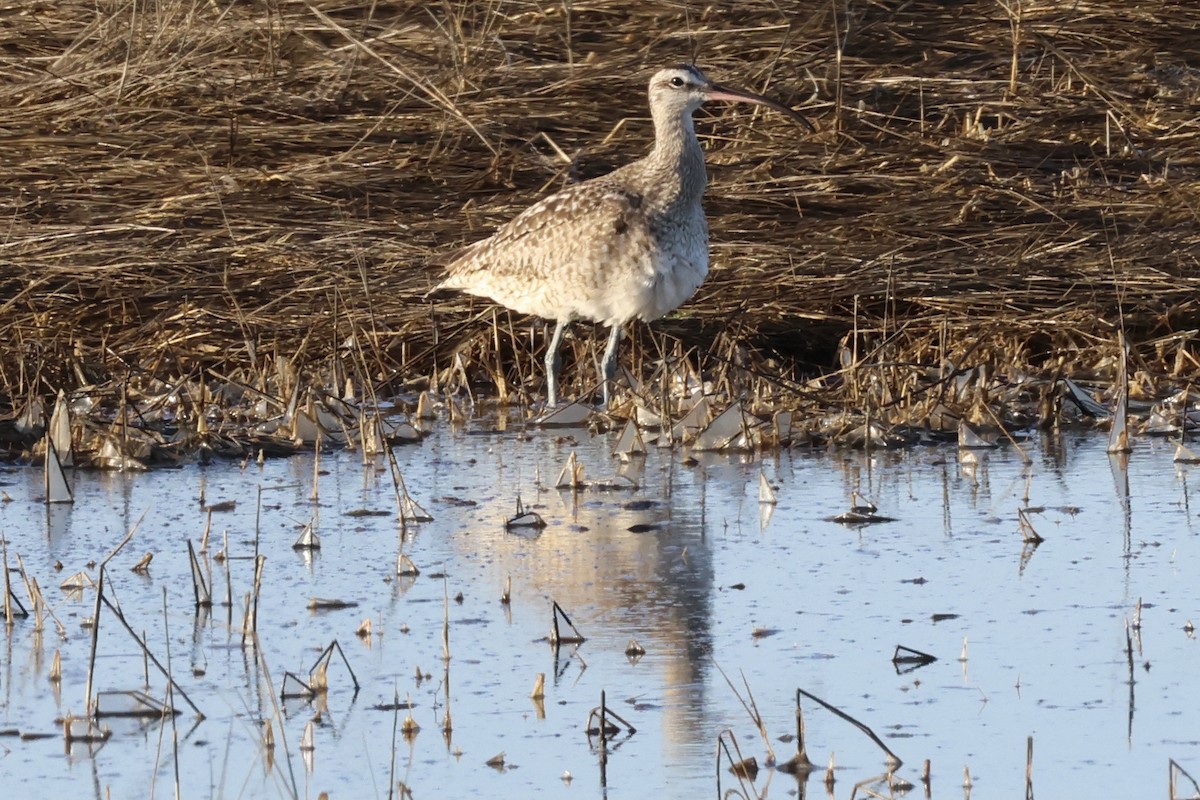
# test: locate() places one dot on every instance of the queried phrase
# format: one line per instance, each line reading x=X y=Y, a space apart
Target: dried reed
x=257 y=198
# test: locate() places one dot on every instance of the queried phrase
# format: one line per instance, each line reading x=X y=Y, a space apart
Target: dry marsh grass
x=199 y=189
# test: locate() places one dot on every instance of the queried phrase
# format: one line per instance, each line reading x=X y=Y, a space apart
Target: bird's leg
x=553 y=362
x=608 y=367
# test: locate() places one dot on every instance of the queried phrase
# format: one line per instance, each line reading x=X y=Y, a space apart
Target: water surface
x=688 y=564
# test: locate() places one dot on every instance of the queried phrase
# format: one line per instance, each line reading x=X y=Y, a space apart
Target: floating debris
x=572 y=415
x=971 y=439
x=308 y=539
x=59 y=432
x=143 y=564
x=556 y=638
x=630 y=444
x=766 y=492
x=318 y=676
x=1028 y=534
x=862 y=512
x=733 y=429
x=131 y=703
x=58 y=490
x=200 y=586
x=633 y=649
x=1184 y=455
x=425 y=406
x=613 y=483
x=782 y=425
x=80 y=729
x=1118 y=434
x=1083 y=399
x=1158 y=425
x=409 y=728
x=907 y=655
x=364 y=629
x=329 y=604
x=524 y=519
x=405 y=566
x=571 y=476
x=694 y=421
x=77 y=582
x=112 y=456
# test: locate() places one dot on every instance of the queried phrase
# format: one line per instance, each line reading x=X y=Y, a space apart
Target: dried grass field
x=204 y=193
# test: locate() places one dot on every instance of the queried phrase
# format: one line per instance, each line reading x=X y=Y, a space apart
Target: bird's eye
x=677 y=82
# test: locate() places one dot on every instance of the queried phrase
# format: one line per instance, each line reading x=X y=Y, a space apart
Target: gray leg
x=608 y=367
x=553 y=362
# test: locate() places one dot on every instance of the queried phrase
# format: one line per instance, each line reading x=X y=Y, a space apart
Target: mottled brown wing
x=559 y=233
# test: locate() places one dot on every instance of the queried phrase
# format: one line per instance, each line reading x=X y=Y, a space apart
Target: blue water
x=701 y=572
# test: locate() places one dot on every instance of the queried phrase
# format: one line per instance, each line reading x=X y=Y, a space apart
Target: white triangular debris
x=695 y=419
x=971 y=439
x=425 y=406
x=308 y=540
x=765 y=512
x=766 y=493
x=571 y=476
x=1158 y=425
x=630 y=444
x=60 y=430
x=411 y=510
x=111 y=457
x=1184 y=455
x=728 y=431
x=1118 y=434
x=570 y=415
x=57 y=488
x=783 y=427
x=32 y=417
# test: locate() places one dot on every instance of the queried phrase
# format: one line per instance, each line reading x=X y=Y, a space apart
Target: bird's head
x=684 y=88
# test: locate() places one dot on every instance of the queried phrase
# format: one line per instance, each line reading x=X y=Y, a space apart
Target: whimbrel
x=632 y=244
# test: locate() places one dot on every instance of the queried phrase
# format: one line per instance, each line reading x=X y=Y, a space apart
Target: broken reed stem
x=8 y=612
x=603 y=740
x=446 y=620
x=801 y=747
x=447 y=723
x=251 y=626
x=395 y=727
x=40 y=608
x=751 y=708
x=740 y=774
x=316 y=487
x=1029 y=768
x=88 y=709
x=170 y=707
x=116 y=612
x=896 y=763
x=278 y=717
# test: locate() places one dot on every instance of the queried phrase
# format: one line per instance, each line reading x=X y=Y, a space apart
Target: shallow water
x=699 y=574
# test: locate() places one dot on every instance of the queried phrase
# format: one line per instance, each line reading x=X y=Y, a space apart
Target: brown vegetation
x=202 y=188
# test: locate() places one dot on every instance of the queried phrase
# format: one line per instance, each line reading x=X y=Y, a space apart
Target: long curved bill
x=718 y=92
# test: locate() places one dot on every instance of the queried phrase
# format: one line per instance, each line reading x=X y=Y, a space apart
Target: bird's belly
x=673 y=285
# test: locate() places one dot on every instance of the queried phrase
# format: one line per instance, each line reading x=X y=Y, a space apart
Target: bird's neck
x=677 y=155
